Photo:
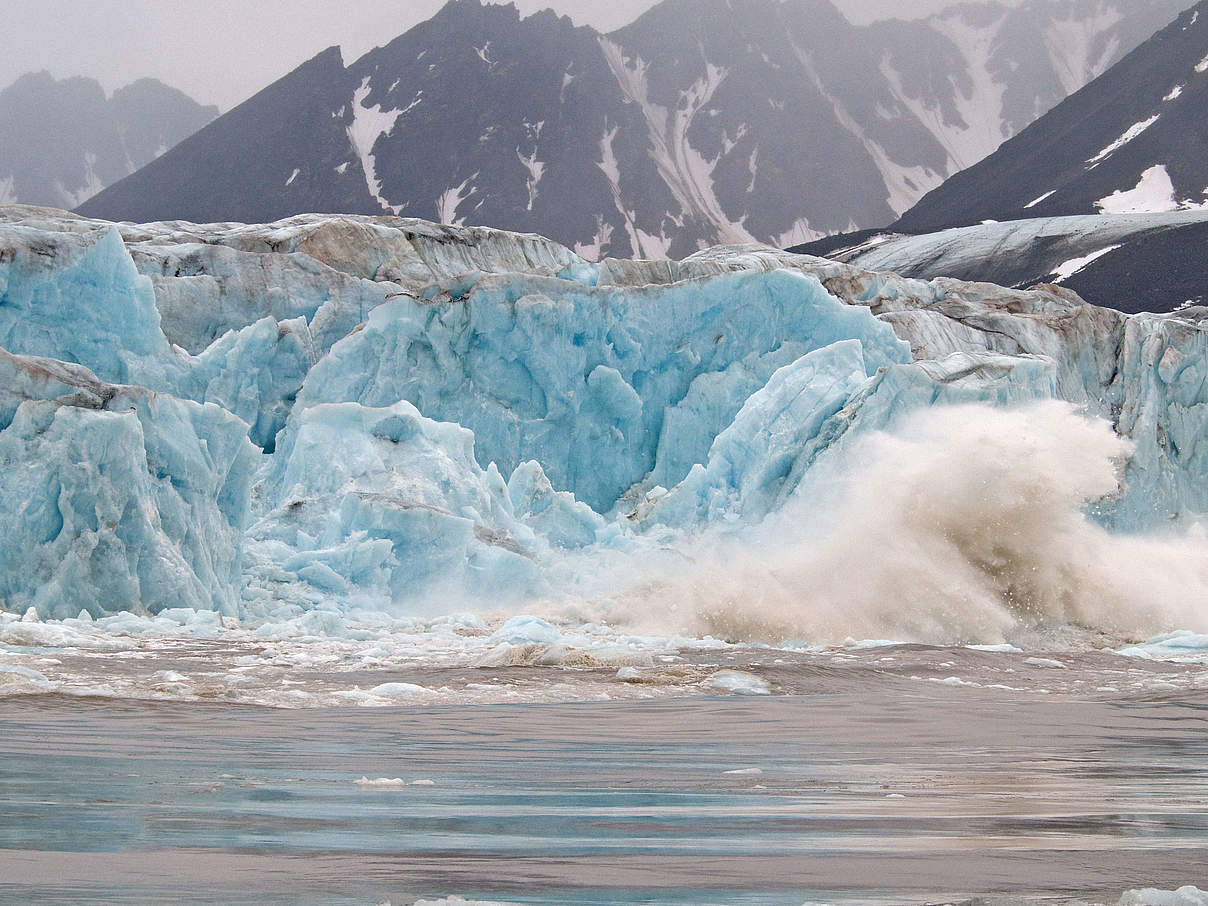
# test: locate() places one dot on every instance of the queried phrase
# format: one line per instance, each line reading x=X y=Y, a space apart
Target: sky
x=223 y=51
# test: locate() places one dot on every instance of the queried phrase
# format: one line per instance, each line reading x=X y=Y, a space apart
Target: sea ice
x=1149 y=896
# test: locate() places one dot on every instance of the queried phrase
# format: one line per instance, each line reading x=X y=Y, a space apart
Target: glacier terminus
x=339 y=415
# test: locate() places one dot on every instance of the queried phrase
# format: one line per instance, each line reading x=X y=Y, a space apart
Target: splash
x=966 y=524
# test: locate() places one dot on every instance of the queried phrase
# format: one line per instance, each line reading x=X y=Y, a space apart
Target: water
x=870 y=777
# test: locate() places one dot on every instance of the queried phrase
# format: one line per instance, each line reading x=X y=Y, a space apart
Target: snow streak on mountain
x=703 y=121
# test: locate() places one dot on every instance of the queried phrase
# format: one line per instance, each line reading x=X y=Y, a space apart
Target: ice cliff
x=331 y=412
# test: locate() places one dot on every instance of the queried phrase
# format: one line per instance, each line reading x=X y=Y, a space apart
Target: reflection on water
x=903 y=796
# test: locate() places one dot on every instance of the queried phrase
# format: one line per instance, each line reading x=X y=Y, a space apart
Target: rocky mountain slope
x=1134 y=140
x=703 y=121
x=1129 y=262
x=63 y=141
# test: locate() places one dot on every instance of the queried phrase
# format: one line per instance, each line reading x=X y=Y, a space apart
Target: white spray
x=963 y=525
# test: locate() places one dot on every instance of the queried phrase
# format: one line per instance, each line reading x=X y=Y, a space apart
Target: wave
x=966 y=524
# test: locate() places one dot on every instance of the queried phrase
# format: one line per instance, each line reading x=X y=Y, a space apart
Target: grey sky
x=222 y=51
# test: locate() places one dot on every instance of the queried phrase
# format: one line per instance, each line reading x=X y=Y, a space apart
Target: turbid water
x=884 y=775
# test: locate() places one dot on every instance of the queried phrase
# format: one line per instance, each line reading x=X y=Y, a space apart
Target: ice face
x=116 y=498
x=585 y=378
x=385 y=502
x=471 y=416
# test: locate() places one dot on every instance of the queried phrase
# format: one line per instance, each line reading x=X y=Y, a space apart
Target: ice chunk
x=1149 y=896
x=401 y=690
x=77 y=297
x=740 y=682
x=750 y=460
x=555 y=515
x=521 y=629
x=381 y=783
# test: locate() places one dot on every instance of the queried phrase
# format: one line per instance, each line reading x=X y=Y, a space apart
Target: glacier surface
x=333 y=414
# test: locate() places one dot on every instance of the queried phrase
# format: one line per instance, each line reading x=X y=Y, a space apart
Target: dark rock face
x=703 y=121
x=63 y=141
x=1135 y=139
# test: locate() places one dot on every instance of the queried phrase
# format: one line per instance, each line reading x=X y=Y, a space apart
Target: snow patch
x=1175 y=92
x=7 y=194
x=612 y=172
x=687 y=173
x=92 y=184
x=368 y=125
x=1154 y=193
x=594 y=250
x=1202 y=66
x=1067 y=269
x=1036 y=201
x=483 y=54
x=906 y=184
x=980 y=110
x=535 y=167
x=1077 y=46
x=800 y=233
x=293 y=176
x=451 y=199
x=1129 y=134
x=535 y=170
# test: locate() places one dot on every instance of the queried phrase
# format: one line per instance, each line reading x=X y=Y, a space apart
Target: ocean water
x=871 y=774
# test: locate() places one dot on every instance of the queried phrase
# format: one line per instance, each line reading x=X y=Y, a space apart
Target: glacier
x=335 y=414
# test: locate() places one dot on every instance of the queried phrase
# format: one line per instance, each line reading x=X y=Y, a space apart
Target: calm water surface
x=881 y=793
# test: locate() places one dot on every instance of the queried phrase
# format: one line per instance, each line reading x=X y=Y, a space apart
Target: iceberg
x=333 y=414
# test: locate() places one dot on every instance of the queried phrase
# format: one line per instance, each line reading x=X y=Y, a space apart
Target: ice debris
x=740 y=682
x=1149 y=896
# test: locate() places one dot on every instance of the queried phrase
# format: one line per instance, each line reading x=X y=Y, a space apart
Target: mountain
x=64 y=141
x=1129 y=262
x=1134 y=140
x=702 y=121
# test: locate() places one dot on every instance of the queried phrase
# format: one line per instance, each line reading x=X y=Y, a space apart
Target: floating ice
x=1149 y=896
x=381 y=783
x=740 y=682
x=1181 y=645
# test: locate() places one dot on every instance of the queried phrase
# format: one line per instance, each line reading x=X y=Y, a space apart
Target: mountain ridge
x=1135 y=134
x=66 y=139
x=697 y=123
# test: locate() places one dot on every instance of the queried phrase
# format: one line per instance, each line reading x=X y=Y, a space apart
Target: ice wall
x=338 y=412
x=115 y=498
x=584 y=379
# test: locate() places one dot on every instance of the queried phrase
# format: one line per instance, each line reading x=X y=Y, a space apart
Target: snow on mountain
x=331 y=414
x=702 y=121
x=1132 y=262
x=1135 y=140
x=64 y=141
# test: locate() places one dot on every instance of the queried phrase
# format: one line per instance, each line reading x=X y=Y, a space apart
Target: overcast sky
x=223 y=51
